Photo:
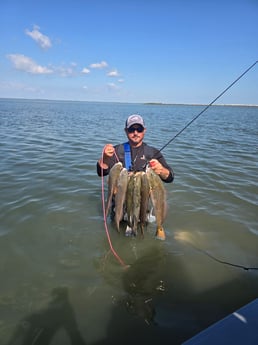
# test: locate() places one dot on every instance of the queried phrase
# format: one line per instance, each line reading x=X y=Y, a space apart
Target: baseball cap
x=134 y=119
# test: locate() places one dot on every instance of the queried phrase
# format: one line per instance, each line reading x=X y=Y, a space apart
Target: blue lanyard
x=128 y=160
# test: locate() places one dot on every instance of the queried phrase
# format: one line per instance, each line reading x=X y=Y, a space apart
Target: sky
x=136 y=51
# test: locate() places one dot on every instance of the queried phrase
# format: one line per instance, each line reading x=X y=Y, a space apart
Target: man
x=135 y=154
x=141 y=153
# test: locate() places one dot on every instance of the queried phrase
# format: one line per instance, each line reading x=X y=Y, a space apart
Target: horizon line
x=144 y=103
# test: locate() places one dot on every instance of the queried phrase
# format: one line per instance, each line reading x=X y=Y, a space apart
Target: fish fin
x=118 y=225
x=108 y=204
x=142 y=226
x=160 y=234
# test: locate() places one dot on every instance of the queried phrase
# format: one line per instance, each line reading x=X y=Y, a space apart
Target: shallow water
x=60 y=283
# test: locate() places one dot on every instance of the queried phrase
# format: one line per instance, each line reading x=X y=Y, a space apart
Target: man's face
x=135 y=134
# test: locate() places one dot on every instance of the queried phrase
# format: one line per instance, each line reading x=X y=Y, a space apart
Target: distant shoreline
x=144 y=103
x=204 y=105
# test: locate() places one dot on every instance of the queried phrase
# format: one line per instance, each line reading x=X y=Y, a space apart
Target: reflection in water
x=40 y=328
x=153 y=287
x=142 y=281
x=169 y=298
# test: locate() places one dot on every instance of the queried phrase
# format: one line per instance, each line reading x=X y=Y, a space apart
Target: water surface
x=59 y=280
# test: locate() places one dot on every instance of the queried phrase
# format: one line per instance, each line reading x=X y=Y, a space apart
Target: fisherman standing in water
x=135 y=154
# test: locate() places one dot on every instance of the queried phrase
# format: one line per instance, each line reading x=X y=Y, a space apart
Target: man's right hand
x=108 y=151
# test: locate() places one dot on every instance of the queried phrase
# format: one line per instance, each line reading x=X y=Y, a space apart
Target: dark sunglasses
x=139 y=129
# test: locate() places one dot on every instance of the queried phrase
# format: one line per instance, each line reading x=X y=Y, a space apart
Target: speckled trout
x=158 y=199
x=122 y=183
x=112 y=184
x=145 y=196
x=133 y=200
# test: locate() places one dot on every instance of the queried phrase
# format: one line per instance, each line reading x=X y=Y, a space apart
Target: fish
x=145 y=196
x=112 y=184
x=158 y=199
x=129 y=199
x=136 y=201
x=133 y=200
x=133 y=193
x=120 y=197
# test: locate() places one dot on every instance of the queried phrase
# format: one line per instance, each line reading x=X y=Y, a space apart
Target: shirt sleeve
x=101 y=171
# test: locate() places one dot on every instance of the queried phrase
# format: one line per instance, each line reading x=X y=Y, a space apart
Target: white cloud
x=26 y=64
x=85 y=70
x=113 y=73
x=113 y=86
x=99 y=65
x=39 y=38
x=65 y=71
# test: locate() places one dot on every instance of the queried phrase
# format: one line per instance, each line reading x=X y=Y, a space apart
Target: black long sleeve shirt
x=140 y=157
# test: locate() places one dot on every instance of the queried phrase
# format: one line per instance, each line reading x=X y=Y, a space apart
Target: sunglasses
x=139 y=129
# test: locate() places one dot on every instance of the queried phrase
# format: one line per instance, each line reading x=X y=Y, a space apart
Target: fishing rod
x=210 y=104
x=186 y=126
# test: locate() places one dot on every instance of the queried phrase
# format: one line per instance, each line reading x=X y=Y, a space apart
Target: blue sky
x=169 y=51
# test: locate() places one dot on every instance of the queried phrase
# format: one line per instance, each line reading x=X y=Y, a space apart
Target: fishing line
x=222 y=261
x=210 y=104
x=184 y=128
